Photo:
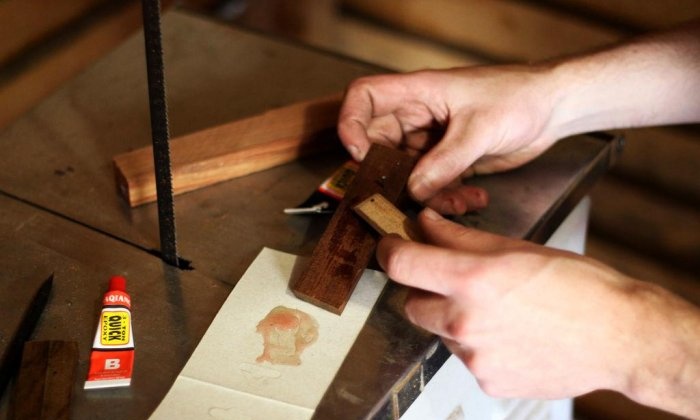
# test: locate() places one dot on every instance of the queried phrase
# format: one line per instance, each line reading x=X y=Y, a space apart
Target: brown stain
x=286 y=333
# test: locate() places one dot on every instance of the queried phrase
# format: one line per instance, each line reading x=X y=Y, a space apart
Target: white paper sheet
x=222 y=378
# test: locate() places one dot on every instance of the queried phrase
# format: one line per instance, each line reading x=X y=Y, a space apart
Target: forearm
x=666 y=372
x=654 y=80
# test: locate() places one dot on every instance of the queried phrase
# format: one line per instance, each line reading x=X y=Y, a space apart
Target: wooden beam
x=663 y=158
x=23 y=23
x=21 y=93
x=647 y=222
x=45 y=383
x=499 y=29
x=641 y=14
x=346 y=246
x=233 y=150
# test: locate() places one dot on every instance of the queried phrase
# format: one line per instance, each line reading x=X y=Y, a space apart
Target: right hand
x=495 y=118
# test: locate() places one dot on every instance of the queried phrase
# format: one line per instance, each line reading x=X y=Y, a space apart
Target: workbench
x=60 y=213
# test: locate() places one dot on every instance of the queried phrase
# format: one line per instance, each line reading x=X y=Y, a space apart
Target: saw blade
x=159 y=130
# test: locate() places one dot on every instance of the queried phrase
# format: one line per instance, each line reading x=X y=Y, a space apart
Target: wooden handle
x=386 y=219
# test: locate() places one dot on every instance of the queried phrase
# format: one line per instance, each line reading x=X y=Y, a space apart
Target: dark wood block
x=21 y=303
x=346 y=246
x=45 y=383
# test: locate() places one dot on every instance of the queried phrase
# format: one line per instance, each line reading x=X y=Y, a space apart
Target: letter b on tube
x=112 y=364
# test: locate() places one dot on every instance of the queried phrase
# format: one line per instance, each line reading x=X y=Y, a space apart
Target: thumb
x=447 y=160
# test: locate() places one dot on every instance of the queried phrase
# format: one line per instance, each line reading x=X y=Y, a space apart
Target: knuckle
x=411 y=309
x=458 y=328
x=396 y=264
x=360 y=84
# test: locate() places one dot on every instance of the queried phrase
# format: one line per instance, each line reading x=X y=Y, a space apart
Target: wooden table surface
x=60 y=211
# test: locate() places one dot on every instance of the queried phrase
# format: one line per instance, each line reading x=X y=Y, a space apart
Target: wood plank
x=642 y=14
x=346 y=246
x=26 y=22
x=45 y=382
x=641 y=267
x=21 y=93
x=501 y=29
x=610 y=405
x=21 y=303
x=232 y=150
x=386 y=219
x=646 y=222
x=328 y=28
x=663 y=158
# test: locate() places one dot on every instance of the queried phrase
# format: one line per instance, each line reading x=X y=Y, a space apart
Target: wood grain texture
x=232 y=150
x=647 y=222
x=45 y=383
x=346 y=245
x=26 y=22
x=642 y=14
x=20 y=311
x=500 y=29
x=386 y=219
x=50 y=71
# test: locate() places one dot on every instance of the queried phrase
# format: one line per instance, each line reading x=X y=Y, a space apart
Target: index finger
x=424 y=267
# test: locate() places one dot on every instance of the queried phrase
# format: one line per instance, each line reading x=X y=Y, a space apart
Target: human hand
x=528 y=321
x=495 y=118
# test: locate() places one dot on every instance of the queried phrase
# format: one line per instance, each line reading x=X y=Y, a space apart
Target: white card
x=223 y=378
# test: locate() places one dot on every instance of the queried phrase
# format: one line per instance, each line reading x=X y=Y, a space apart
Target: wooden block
x=386 y=219
x=346 y=246
x=232 y=150
x=19 y=313
x=45 y=383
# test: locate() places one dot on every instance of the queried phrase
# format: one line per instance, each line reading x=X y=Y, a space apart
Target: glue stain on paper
x=286 y=333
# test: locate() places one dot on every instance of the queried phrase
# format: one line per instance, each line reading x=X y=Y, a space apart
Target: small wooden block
x=45 y=383
x=232 y=150
x=19 y=315
x=346 y=246
x=386 y=219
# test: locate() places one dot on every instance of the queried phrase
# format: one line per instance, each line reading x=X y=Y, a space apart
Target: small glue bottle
x=112 y=357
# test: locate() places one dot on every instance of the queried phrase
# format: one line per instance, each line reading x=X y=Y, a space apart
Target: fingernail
x=431 y=214
x=418 y=186
x=354 y=152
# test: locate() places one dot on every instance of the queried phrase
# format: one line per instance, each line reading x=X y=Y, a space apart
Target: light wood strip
x=386 y=219
x=232 y=150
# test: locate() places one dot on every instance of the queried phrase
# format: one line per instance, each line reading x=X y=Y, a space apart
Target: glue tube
x=112 y=357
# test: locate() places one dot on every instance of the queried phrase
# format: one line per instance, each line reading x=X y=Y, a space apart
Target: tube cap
x=117 y=283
